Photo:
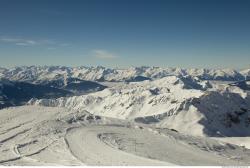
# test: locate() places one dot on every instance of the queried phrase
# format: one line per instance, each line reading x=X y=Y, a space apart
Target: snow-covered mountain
x=101 y=116
x=164 y=97
x=180 y=103
x=246 y=73
x=37 y=74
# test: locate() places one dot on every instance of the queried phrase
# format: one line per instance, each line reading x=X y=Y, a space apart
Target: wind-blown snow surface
x=35 y=135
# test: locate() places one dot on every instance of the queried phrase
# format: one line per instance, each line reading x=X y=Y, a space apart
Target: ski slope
x=36 y=135
x=106 y=145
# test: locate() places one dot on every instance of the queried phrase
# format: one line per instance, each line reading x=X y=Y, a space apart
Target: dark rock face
x=242 y=84
x=225 y=114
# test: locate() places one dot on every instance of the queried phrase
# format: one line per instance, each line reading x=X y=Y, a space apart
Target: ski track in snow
x=87 y=147
x=96 y=145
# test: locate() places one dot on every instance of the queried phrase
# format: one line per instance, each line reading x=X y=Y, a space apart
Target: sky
x=125 y=33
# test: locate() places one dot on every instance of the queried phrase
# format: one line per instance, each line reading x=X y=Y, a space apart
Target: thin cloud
x=23 y=44
x=19 y=41
x=30 y=42
x=103 y=54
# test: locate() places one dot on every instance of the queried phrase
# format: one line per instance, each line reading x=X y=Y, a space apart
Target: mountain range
x=38 y=74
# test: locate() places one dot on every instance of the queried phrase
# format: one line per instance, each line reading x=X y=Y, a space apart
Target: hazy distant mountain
x=37 y=74
x=74 y=85
x=17 y=93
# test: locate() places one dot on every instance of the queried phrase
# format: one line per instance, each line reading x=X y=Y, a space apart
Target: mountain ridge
x=34 y=74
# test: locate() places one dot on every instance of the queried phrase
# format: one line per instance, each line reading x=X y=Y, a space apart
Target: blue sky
x=124 y=33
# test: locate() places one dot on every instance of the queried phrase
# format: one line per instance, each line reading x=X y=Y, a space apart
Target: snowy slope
x=213 y=114
x=35 y=135
x=131 y=100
